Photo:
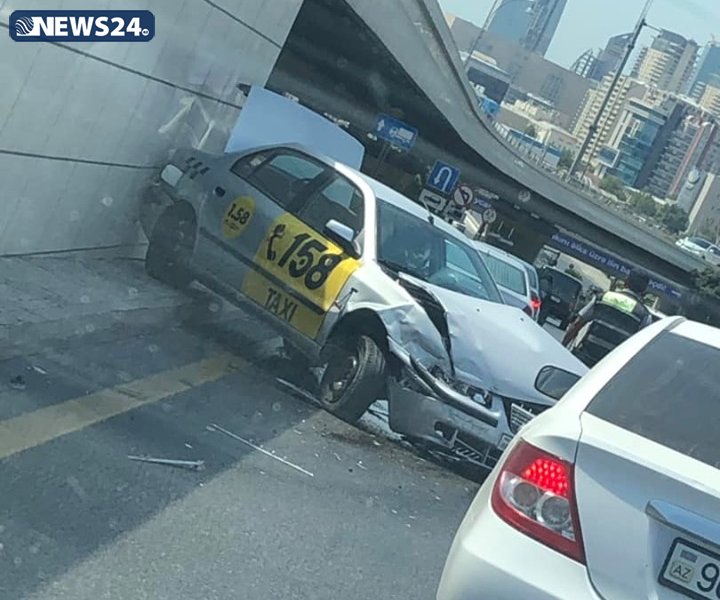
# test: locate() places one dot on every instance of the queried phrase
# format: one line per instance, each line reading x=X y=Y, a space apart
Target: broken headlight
x=474 y=393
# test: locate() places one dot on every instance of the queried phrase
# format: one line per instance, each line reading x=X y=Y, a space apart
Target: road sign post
x=395 y=132
x=443 y=178
x=381 y=158
x=464 y=196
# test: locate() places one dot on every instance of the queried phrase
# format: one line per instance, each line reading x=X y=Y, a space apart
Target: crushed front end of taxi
x=470 y=405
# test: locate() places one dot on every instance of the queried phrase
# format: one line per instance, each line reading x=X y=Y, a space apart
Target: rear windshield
x=506 y=275
x=564 y=286
x=669 y=394
x=701 y=242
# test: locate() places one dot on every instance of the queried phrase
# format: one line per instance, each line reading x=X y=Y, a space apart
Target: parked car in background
x=560 y=293
x=511 y=277
x=712 y=255
x=613 y=493
x=694 y=245
x=534 y=287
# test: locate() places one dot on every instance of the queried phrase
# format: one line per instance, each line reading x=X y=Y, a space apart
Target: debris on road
x=298 y=390
x=39 y=370
x=193 y=465
x=18 y=383
x=215 y=427
x=188 y=446
x=360 y=465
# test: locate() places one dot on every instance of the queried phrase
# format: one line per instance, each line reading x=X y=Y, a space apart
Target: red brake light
x=535 y=303
x=534 y=493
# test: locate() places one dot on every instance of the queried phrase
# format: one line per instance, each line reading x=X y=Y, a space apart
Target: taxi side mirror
x=343 y=236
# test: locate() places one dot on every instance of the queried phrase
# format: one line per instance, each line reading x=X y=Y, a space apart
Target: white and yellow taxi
x=393 y=302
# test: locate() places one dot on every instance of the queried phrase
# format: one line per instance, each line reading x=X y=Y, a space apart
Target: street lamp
x=595 y=125
x=496 y=6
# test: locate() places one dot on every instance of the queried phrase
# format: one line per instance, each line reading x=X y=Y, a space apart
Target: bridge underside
x=337 y=60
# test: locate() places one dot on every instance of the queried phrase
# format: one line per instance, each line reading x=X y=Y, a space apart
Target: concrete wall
x=82 y=125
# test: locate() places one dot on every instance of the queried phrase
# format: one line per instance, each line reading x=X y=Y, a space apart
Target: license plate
x=691 y=570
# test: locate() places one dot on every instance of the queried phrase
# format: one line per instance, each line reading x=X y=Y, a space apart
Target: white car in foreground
x=615 y=492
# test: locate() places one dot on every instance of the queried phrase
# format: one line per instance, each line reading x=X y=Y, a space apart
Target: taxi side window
x=338 y=199
x=244 y=166
x=284 y=176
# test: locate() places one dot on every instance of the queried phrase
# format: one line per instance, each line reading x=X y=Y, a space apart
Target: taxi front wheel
x=354 y=376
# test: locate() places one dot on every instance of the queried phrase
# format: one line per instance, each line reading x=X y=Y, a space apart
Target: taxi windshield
x=416 y=247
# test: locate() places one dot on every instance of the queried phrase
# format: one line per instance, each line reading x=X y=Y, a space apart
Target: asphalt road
x=79 y=520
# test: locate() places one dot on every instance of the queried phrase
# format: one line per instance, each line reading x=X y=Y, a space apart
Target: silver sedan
x=390 y=301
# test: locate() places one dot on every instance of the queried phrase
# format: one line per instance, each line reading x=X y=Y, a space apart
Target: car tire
x=171 y=247
x=353 y=377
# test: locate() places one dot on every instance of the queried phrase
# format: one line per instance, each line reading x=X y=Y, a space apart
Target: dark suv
x=560 y=293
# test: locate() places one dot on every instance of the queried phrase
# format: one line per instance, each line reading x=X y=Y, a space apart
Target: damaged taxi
x=390 y=301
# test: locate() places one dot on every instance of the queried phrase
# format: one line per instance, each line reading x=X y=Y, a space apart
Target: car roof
x=564 y=274
x=699 y=332
x=501 y=254
x=381 y=191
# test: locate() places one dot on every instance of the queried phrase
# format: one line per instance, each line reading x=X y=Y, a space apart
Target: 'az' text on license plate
x=691 y=570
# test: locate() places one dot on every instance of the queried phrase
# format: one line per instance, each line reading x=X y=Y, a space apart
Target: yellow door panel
x=305 y=261
x=288 y=308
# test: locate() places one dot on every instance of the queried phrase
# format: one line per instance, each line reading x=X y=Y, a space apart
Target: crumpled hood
x=498 y=348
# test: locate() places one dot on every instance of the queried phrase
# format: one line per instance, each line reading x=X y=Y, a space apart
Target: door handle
x=219 y=191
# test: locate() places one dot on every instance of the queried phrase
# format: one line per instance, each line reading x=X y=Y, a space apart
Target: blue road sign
x=395 y=131
x=443 y=177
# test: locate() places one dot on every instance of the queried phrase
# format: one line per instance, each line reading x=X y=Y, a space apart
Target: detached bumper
x=425 y=409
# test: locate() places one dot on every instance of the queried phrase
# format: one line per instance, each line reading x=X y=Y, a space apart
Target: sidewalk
x=50 y=298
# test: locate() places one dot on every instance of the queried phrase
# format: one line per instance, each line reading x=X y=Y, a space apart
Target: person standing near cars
x=611 y=318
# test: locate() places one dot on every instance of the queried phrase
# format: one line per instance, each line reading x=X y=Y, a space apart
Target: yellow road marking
x=45 y=424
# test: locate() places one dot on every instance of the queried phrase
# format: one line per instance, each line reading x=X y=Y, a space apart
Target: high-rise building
x=626 y=89
x=684 y=150
x=638 y=139
x=610 y=58
x=668 y=63
x=708 y=69
x=511 y=20
x=546 y=15
x=710 y=99
x=530 y=23
x=705 y=211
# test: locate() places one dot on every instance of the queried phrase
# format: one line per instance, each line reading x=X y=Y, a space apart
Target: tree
x=708 y=282
x=531 y=130
x=644 y=204
x=566 y=159
x=674 y=218
x=612 y=185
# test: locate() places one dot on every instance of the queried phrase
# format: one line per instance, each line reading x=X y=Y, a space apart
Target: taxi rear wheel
x=170 y=248
x=353 y=378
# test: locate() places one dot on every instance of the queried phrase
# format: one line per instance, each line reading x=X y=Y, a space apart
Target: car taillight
x=535 y=303
x=535 y=494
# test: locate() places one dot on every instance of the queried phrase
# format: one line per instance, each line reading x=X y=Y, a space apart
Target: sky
x=589 y=23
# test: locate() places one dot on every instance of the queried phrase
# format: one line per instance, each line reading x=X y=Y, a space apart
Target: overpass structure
x=358 y=58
